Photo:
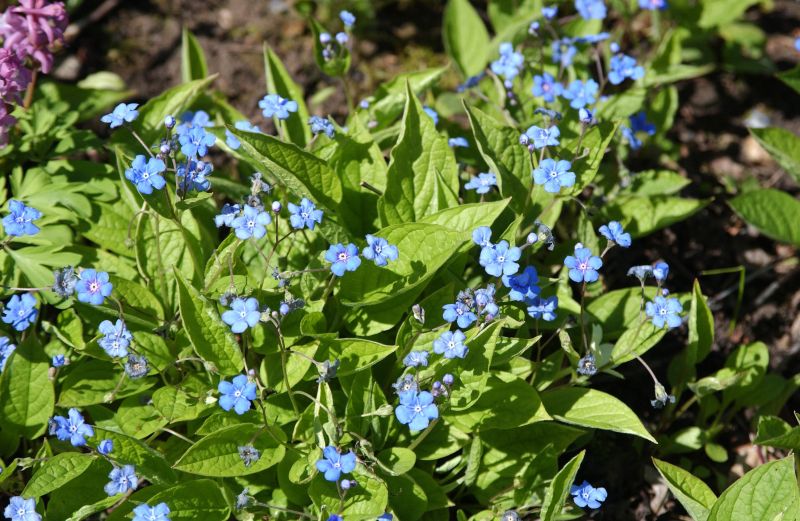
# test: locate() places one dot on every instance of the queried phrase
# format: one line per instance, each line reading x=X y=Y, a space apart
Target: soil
x=140 y=41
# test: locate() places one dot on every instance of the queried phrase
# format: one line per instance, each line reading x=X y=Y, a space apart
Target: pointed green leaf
x=193 y=61
x=465 y=37
x=27 y=398
x=782 y=145
x=217 y=455
x=774 y=432
x=57 y=472
x=695 y=496
x=766 y=493
x=773 y=212
x=130 y=451
x=559 y=488
x=197 y=499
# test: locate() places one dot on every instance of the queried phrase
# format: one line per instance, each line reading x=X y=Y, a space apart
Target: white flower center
x=94 y=286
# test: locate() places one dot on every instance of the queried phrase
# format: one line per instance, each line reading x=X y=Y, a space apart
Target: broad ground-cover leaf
x=56 y=472
x=422 y=177
x=130 y=451
x=774 y=432
x=92 y=382
x=595 y=409
x=766 y=493
x=367 y=501
x=644 y=215
x=694 y=495
x=783 y=145
x=355 y=354
x=26 y=393
x=391 y=96
x=559 y=488
x=194 y=500
x=773 y=212
x=465 y=37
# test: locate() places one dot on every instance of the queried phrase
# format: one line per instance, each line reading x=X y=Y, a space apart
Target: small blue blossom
x=72 y=428
x=21 y=509
x=581 y=93
x=613 y=232
x=325 y=38
x=451 y=344
x=586 y=495
x=136 y=366
x=274 y=105
x=199 y=118
x=347 y=18
x=64 y=282
x=664 y=311
x=662 y=397
x=123 y=479
x=585 y=116
x=6 y=348
x=342 y=38
x=416 y=359
x=554 y=175
x=249 y=454
x=660 y=271
x=124 y=112
x=227 y=215
x=197 y=171
x=544 y=308
x=343 y=258
x=93 y=287
x=416 y=409
x=20 y=221
x=335 y=517
x=305 y=215
x=231 y=140
x=591 y=9
x=145 y=512
x=563 y=52
x=333 y=464
x=379 y=251
x=587 y=365
x=195 y=141
x=545 y=86
x=660 y=5
x=386 y=516
x=20 y=311
x=501 y=259
x=460 y=312
x=146 y=174
x=533 y=28
x=458 y=142
x=639 y=124
x=523 y=285
x=542 y=137
x=116 y=338
x=105 y=447
x=59 y=360
x=244 y=313
x=640 y=272
x=508 y=65
x=321 y=126
x=471 y=82
x=482 y=183
x=583 y=265
x=405 y=383
x=251 y=223
x=237 y=395
x=482 y=236
x=484 y=300
x=623 y=66
x=432 y=114
x=549 y=12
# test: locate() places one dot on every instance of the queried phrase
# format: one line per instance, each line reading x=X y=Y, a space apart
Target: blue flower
x=554 y=175
x=59 y=360
x=20 y=311
x=191 y=119
x=304 y=215
x=274 y=105
x=249 y=454
x=583 y=265
x=593 y=38
x=243 y=124
x=343 y=258
x=581 y=93
x=585 y=116
x=664 y=311
x=333 y=464
x=321 y=126
x=549 y=12
x=451 y=344
x=416 y=359
x=21 y=509
x=386 y=516
x=243 y=314
x=586 y=495
x=136 y=366
x=501 y=259
x=432 y=114
x=243 y=499
x=563 y=52
x=508 y=65
x=334 y=517
x=545 y=86
x=347 y=18
x=613 y=232
x=197 y=172
x=105 y=447
x=227 y=215
x=252 y=223
x=379 y=250
x=237 y=395
x=638 y=123
x=93 y=287
x=72 y=428
x=145 y=512
x=407 y=382
x=123 y=479
x=64 y=282
x=523 y=285
x=121 y=113
x=484 y=300
x=456 y=142
x=623 y=66
x=482 y=236
x=146 y=174
x=116 y=338
x=471 y=82
x=662 y=397
x=543 y=137
x=482 y=183
x=544 y=308
x=342 y=38
x=20 y=221
x=660 y=271
x=416 y=409
x=660 y=5
x=591 y=9
x=6 y=348
x=640 y=272
x=460 y=312
x=587 y=365
x=195 y=141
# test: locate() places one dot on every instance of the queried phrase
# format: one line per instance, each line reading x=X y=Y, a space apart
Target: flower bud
x=169 y=121
x=276 y=206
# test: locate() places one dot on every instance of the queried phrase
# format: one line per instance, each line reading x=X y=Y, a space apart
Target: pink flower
x=14 y=77
x=6 y=122
x=32 y=28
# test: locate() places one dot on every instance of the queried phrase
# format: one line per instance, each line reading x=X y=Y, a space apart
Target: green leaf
x=93 y=508
x=92 y=381
x=636 y=341
x=473 y=370
x=391 y=96
x=397 y=460
x=466 y=39
x=130 y=451
x=695 y=496
x=753 y=361
x=193 y=500
x=279 y=82
x=355 y=354
x=27 y=398
x=644 y=215
x=766 y=493
x=716 y=13
x=774 y=432
x=137 y=296
x=217 y=455
x=335 y=66
x=791 y=78
x=655 y=182
x=177 y=405
x=57 y=472
x=504 y=13
x=782 y=145
x=211 y=338
x=193 y=61
x=773 y=212
x=368 y=504
x=559 y=488
x=596 y=140
x=594 y=409
x=420 y=158
x=701 y=326
x=466 y=217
